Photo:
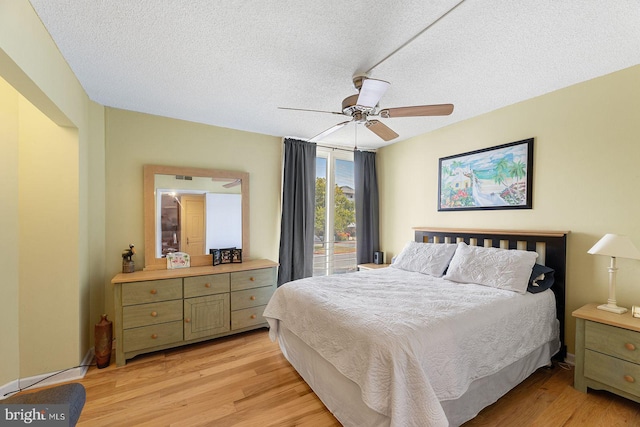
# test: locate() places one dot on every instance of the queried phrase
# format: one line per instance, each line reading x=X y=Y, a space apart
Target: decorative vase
x=103 y=337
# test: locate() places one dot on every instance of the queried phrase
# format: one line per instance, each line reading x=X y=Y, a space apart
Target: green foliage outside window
x=345 y=212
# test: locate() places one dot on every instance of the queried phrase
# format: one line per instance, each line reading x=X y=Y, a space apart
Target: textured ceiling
x=233 y=63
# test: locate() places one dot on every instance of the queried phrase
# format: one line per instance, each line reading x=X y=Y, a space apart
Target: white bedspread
x=410 y=340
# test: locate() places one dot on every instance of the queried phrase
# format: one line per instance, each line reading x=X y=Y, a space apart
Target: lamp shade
x=616 y=246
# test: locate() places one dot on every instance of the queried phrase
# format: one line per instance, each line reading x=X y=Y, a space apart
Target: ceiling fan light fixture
x=371 y=92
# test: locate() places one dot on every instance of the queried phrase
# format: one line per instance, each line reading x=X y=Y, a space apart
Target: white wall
x=224 y=221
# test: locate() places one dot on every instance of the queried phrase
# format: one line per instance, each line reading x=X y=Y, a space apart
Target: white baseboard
x=570 y=359
x=51 y=378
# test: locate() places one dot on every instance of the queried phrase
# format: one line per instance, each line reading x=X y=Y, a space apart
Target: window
x=335 y=213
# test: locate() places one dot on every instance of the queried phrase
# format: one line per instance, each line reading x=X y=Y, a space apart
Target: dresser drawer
x=247 y=317
x=134 y=316
x=612 y=371
x=151 y=291
x=152 y=336
x=206 y=285
x=618 y=342
x=251 y=297
x=241 y=280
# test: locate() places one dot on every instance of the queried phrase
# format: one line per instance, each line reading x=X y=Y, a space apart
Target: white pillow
x=498 y=268
x=425 y=258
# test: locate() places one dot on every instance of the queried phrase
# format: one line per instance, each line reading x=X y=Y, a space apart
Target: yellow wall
x=48 y=216
x=585 y=180
x=46 y=316
x=135 y=139
x=9 y=289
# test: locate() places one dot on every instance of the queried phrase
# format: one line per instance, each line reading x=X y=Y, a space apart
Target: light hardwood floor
x=244 y=380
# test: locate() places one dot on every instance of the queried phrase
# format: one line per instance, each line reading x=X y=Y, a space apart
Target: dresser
x=160 y=309
x=607 y=352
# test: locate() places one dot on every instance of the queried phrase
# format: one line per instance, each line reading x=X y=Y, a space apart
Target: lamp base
x=612 y=308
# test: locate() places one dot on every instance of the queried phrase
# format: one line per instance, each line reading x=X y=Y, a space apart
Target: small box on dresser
x=607 y=352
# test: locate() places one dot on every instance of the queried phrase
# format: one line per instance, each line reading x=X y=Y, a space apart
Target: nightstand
x=371 y=266
x=607 y=352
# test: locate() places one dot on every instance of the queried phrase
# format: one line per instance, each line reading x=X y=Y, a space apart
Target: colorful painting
x=493 y=178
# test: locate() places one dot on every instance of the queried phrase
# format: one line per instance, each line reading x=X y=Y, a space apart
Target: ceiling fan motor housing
x=350 y=107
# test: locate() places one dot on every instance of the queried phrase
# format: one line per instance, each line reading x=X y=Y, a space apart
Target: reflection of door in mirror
x=197 y=214
x=193 y=224
x=224 y=223
x=194 y=221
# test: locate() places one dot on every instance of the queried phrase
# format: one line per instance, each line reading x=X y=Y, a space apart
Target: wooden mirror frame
x=150 y=171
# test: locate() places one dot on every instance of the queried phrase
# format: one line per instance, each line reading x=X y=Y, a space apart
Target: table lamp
x=615 y=246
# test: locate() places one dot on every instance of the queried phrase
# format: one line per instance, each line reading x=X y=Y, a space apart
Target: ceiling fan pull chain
x=355 y=138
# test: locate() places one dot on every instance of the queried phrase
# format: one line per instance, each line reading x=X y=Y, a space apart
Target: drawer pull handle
x=154 y=336
x=187 y=320
x=154 y=314
x=207 y=285
x=153 y=292
x=252 y=298
x=253 y=279
x=629 y=379
x=253 y=316
x=630 y=346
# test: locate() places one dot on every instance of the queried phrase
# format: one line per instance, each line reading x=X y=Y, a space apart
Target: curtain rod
x=332 y=147
x=350 y=150
x=335 y=148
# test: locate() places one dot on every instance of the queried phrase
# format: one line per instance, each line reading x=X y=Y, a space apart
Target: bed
x=443 y=332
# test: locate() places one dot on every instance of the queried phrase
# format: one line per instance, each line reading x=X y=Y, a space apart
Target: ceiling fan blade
x=380 y=129
x=313 y=111
x=332 y=129
x=371 y=92
x=418 y=111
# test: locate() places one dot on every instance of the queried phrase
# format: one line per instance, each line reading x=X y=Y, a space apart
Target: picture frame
x=216 y=256
x=499 y=177
x=226 y=255
x=178 y=260
x=236 y=255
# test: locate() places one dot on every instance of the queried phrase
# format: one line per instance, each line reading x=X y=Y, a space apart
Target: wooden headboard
x=551 y=247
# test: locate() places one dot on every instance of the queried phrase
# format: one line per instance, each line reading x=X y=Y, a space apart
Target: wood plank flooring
x=244 y=380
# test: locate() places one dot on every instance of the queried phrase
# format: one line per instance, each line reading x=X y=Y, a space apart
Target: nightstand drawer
x=135 y=316
x=618 y=342
x=152 y=336
x=252 y=279
x=206 y=285
x=614 y=372
x=151 y=291
x=247 y=317
x=251 y=297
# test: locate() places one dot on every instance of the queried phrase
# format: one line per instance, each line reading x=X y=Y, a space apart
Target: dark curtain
x=298 y=211
x=367 y=213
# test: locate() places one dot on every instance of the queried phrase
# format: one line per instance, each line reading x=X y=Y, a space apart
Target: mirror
x=193 y=210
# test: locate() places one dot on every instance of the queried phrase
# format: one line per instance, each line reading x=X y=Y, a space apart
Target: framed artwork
x=499 y=177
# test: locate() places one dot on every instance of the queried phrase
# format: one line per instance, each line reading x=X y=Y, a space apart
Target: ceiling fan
x=364 y=105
